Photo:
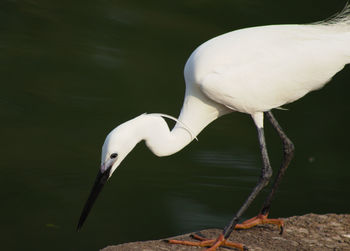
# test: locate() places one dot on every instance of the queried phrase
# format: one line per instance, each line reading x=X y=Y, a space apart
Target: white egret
x=253 y=71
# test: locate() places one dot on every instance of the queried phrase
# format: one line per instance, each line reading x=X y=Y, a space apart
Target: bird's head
x=116 y=147
x=118 y=144
x=121 y=140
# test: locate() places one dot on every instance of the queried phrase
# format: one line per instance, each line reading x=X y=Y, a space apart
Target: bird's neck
x=197 y=112
x=161 y=140
x=154 y=130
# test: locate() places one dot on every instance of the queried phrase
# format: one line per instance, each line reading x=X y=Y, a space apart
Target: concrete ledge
x=308 y=232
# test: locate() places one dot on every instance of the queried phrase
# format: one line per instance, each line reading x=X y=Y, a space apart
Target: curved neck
x=157 y=135
x=197 y=112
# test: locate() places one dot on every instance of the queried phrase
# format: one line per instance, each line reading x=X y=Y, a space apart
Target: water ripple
x=226 y=159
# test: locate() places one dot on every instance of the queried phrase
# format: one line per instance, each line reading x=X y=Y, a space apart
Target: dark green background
x=71 y=71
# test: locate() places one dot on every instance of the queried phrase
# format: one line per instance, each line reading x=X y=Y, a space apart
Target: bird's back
x=260 y=68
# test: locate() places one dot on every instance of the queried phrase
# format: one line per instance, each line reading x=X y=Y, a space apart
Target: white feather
x=176 y=120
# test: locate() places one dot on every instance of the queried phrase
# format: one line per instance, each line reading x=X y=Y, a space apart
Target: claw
x=213 y=244
x=260 y=219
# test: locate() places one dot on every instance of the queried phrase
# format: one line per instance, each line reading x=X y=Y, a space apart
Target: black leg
x=288 y=152
x=266 y=173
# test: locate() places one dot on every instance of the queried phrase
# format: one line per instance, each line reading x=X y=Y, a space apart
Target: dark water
x=73 y=70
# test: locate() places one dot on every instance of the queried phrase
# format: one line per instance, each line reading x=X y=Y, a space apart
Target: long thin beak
x=100 y=181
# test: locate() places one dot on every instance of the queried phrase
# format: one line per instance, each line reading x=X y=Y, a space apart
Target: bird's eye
x=113 y=155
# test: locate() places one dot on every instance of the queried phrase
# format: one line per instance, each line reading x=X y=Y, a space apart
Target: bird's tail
x=341 y=19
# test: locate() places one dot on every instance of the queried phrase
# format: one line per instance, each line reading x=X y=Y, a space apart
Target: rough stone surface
x=308 y=232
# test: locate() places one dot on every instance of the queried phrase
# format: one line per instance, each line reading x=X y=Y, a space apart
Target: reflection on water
x=224 y=167
x=197 y=215
x=72 y=71
x=226 y=160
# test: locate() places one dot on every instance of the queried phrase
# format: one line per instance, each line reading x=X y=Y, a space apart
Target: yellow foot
x=258 y=220
x=213 y=244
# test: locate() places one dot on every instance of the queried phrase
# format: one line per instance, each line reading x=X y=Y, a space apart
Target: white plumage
x=257 y=69
x=252 y=71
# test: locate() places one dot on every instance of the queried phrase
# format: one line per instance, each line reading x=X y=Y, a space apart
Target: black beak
x=101 y=179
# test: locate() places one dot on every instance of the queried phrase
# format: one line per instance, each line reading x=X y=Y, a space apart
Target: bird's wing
x=260 y=78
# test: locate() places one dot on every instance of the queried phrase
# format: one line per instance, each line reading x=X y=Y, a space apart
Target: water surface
x=72 y=71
